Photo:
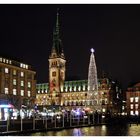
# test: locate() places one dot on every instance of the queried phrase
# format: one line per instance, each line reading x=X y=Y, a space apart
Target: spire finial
x=92 y=50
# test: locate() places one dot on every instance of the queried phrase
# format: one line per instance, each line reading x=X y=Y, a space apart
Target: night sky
x=112 y=30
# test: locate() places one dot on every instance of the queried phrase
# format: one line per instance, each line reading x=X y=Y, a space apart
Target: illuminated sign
x=6 y=106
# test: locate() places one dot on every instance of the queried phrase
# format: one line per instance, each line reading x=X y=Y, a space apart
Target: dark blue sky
x=112 y=30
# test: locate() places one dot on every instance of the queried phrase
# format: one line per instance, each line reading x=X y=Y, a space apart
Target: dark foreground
x=82 y=127
x=103 y=130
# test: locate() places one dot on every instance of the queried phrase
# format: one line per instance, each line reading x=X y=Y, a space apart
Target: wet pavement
x=104 y=130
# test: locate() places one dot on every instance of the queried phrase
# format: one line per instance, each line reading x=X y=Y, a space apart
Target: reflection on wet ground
x=104 y=130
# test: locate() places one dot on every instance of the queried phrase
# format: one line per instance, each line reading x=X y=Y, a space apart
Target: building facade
x=72 y=94
x=133 y=100
x=17 y=85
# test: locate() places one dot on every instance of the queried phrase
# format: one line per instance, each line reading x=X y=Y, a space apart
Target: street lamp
x=46 y=119
x=63 y=113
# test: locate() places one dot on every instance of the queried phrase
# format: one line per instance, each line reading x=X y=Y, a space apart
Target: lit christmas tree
x=93 y=95
x=92 y=74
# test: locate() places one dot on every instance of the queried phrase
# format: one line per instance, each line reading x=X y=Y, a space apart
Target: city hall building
x=73 y=94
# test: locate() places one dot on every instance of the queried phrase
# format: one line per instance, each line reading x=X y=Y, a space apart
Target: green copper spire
x=57 y=43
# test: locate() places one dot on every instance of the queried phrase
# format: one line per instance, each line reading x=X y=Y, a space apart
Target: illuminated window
x=22 y=92
x=29 y=93
x=88 y=88
x=131 y=112
x=106 y=101
x=66 y=89
x=29 y=84
x=131 y=106
x=22 y=74
x=79 y=88
x=26 y=66
x=14 y=72
x=7 y=61
x=136 y=112
x=14 y=92
x=136 y=106
x=10 y=62
x=131 y=99
x=103 y=109
x=14 y=81
x=22 y=83
x=83 y=88
x=6 y=70
x=6 y=90
x=21 y=65
x=136 y=99
x=4 y=60
x=75 y=88
x=0 y=59
x=61 y=89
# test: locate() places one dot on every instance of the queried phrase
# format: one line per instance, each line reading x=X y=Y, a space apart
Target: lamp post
x=63 y=113
x=46 y=120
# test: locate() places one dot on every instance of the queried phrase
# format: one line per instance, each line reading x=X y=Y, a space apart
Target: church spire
x=57 y=43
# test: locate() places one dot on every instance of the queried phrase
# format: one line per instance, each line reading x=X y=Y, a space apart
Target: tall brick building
x=17 y=85
x=133 y=100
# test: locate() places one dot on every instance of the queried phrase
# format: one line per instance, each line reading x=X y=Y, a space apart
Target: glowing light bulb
x=92 y=50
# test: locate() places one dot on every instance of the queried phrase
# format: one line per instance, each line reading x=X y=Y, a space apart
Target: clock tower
x=56 y=67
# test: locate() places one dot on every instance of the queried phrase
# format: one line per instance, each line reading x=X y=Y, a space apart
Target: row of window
x=10 y=62
x=66 y=89
x=23 y=66
x=102 y=101
x=132 y=99
x=5 y=61
x=15 y=92
x=134 y=112
x=54 y=63
x=21 y=83
x=14 y=72
x=132 y=106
